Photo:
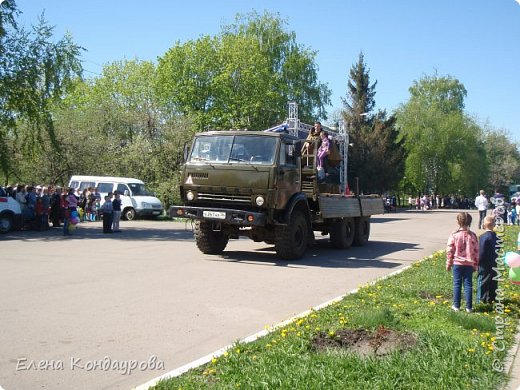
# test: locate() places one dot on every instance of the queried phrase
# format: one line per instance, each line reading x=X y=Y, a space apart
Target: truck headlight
x=190 y=195
x=259 y=200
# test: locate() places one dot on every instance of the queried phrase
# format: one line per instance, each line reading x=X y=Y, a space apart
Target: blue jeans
x=463 y=274
x=482 y=215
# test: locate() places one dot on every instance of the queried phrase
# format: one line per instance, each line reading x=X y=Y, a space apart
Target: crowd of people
x=46 y=206
x=428 y=202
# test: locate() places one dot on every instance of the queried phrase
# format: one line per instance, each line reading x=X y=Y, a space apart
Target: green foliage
x=503 y=159
x=243 y=77
x=443 y=145
x=34 y=74
x=375 y=158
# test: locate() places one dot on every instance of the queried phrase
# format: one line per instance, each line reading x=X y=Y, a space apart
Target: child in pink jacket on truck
x=462 y=257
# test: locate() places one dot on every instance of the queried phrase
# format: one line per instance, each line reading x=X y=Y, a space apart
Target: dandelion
x=438 y=296
x=268 y=346
x=226 y=354
x=214 y=361
x=471 y=350
x=331 y=333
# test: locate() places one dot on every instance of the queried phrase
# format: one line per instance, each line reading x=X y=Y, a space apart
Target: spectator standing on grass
x=462 y=257
x=481 y=203
x=486 y=285
x=517 y=209
x=116 y=206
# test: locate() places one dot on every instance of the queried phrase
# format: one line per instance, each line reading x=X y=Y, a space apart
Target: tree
x=293 y=71
x=185 y=79
x=34 y=74
x=441 y=142
x=375 y=159
x=503 y=159
x=243 y=77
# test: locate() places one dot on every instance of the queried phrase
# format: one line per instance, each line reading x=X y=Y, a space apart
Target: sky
x=476 y=42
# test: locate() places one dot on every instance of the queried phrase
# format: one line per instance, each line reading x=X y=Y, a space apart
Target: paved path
x=148 y=291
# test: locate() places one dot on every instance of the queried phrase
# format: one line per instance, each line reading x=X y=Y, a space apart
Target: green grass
x=454 y=350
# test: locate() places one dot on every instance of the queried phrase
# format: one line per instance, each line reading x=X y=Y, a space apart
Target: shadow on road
x=322 y=255
x=137 y=232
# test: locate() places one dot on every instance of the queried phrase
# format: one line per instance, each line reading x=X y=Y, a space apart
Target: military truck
x=259 y=185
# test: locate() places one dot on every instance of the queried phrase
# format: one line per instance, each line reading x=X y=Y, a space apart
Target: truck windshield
x=241 y=149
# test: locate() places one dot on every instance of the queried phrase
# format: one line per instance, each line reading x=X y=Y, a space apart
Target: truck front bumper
x=227 y=216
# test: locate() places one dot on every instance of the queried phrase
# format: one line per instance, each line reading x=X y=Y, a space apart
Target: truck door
x=288 y=174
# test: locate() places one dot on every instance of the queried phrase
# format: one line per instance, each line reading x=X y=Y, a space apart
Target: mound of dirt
x=365 y=343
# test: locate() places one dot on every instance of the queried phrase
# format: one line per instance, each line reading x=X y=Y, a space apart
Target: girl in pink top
x=462 y=257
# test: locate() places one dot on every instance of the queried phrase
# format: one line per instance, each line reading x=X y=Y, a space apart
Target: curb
x=206 y=359
x=513 y=356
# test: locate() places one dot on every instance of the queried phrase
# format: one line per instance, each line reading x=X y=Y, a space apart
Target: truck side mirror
x=187 y=149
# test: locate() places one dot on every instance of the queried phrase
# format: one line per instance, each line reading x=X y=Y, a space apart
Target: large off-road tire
x=362 y=231
x=342 y=233
x=208 y=241
x=291 y=240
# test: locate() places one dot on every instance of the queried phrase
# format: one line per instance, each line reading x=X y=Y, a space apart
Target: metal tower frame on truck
x=341 y=136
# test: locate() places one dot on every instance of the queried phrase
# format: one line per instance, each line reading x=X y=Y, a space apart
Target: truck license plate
x=214 y=214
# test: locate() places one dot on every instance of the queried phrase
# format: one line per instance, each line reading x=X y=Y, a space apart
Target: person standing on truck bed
x=322 y=155
x=314 y=135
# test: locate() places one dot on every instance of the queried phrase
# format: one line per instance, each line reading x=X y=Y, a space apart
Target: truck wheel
x=6 y=223
x=342 y=233
x=208 y=241
x=362 y=231
x=129 y=214
x=291 y=240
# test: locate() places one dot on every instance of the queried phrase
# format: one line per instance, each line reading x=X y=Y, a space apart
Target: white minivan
x=136 y=199
x=10 y=213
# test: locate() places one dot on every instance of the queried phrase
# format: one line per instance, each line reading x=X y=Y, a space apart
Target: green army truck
x=257 y=184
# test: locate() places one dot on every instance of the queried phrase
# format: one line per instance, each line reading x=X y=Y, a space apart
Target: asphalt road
x=76 y=312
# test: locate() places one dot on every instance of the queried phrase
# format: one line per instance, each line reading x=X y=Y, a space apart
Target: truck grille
x=198 y=175
x=224 y=197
